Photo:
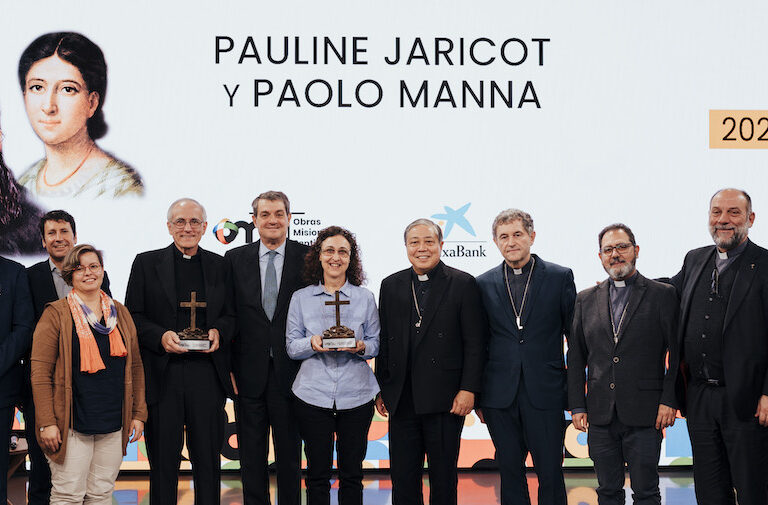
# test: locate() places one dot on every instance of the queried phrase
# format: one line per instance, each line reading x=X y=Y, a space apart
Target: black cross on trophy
x=194 y=338
x=338 y=337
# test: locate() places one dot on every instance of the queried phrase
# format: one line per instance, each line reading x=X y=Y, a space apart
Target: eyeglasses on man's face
x=619 y=248
x=181 y=223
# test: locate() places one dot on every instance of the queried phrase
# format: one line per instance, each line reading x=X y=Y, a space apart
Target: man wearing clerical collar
x=429 y=366
x=171 y=291
x=529 y=303
x=723 y=293
x=630 y=391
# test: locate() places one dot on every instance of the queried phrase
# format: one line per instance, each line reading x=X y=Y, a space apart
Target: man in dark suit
x=261 y=279
x=184 y=388
x=723 y=335
x=529 y=303
x=622 y=331
x=59 y=235
x=15 y=338
x=429 y=367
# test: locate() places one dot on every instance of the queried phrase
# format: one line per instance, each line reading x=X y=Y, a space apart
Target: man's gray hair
x=273 y=196
x=510 y=215
x=423 y=222
x=182 y=201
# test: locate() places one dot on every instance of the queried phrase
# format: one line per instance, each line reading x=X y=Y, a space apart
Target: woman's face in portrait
x=334 y=257
x=57 y=101
x=88 y=276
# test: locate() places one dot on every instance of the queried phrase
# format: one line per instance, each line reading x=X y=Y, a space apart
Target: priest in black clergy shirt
x=184 y=388
x=430 y=365
x=59 y=235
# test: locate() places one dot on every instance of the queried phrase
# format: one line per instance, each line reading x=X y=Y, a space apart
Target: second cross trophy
x=338 y=337
x=194 y=338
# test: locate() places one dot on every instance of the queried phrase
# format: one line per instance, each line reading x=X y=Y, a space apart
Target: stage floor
x=474 y=489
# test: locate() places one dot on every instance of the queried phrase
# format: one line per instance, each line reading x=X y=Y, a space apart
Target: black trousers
x=191 y=395
x=39 y=491
x=350 y=427
x=727 y=453
x=6 y=422
x=412 y=435
x=521 y=428
x=254 y=417
x=612 y=445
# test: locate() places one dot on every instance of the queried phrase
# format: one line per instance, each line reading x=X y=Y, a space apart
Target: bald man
x=184 y=387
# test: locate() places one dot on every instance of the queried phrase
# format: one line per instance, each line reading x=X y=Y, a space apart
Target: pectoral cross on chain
x=194 y=304
x=338 y=303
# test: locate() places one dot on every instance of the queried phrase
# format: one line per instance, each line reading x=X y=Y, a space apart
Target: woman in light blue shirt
x=335 y=388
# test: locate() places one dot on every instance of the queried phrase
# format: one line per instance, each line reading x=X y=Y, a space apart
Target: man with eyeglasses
x=185 y=388
x=261 y=280
x=58 y=232
x=622 y=331
x=724 y=340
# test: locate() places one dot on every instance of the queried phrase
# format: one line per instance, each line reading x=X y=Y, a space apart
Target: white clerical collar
x=423 y=277
x=619 y=284
x=517 y=271
x=722 y=255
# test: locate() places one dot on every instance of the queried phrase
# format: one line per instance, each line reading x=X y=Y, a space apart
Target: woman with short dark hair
x=87 y=383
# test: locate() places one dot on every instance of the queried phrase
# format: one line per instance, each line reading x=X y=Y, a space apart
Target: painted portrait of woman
x=63 y=77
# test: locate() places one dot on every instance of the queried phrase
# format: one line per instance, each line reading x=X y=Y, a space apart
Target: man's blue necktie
x=269 y=296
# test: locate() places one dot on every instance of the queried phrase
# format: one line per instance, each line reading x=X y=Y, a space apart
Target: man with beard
x=724 y=340
x=630 y=394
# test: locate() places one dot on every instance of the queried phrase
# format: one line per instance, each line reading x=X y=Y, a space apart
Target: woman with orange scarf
x=87 y=383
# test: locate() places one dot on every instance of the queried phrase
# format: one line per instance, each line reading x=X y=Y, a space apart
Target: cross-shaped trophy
x=338 y=337
x=194 y=338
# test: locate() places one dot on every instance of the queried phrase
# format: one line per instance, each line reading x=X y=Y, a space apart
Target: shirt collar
x=53 y=267
x=319 y=289
x=180 y=255
x=430 y=275
x=264 y=250
x=627 y=282
x=733 y=252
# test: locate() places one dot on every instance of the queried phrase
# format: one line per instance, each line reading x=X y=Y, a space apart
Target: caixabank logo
x=302 y=228
x=459 y=235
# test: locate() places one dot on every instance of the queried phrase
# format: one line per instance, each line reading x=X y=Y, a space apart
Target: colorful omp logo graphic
x=225 y=231
x=452 y=217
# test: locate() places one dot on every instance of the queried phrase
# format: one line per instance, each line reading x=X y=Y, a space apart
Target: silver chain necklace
x=416 y=302
x=614 y=329
x=525 y=293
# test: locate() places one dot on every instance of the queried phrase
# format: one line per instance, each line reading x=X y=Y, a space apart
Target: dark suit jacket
x=451 y=350
x=631 y=375
x=546 y=320
x=16 y=324
x=745 y=329
x=255 y=333
x=44 y=290
x=151 y=298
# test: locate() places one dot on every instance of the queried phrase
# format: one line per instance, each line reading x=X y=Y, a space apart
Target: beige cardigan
x=51 y=364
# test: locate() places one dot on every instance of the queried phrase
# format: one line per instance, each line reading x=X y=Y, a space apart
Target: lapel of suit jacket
x=440 y=285
x=209 y=278
x=50 y=286
x=744 y=277
x=635 y=297
x=404 y=300
x=251 y=275
x=604 y=303
x=291 y=260
x=537 y=280
x=165 y=273
x=502 y=292
x=696 y=269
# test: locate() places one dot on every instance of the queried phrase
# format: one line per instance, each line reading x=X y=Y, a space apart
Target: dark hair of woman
x=313 y=270
x=81 y=52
